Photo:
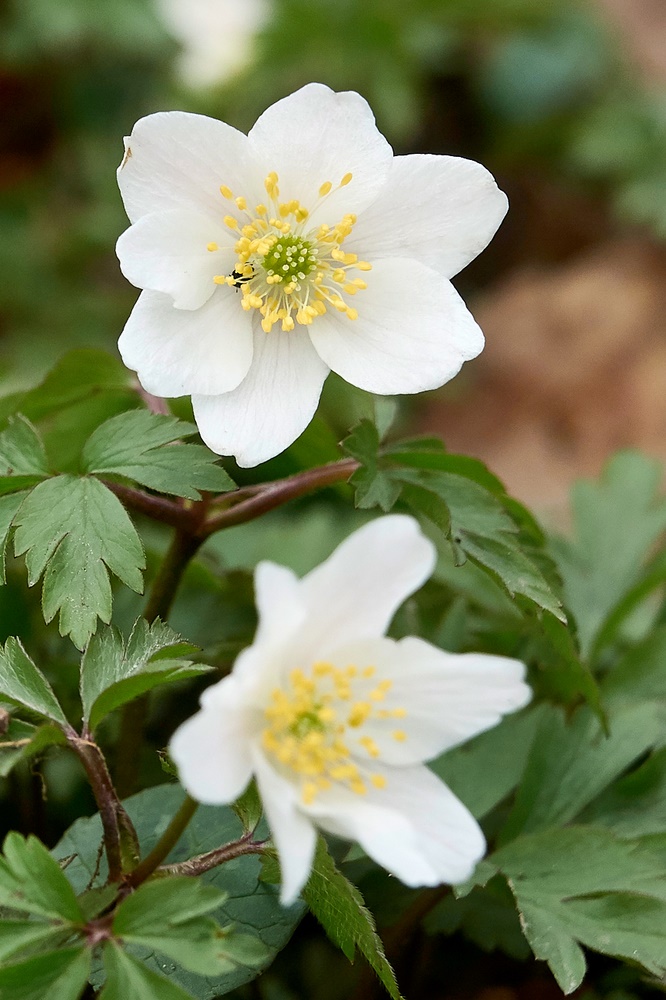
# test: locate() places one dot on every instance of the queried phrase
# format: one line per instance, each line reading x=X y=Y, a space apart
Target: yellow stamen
x=212 y=247
x=226 y=192
x=324 y=189
x=345 y=180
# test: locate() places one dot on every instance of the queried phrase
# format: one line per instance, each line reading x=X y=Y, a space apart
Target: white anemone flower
x=217 y=36
x=335 y=720
x=271 y=258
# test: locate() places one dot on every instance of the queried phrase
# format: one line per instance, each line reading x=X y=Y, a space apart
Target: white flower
x=335 y=721
x=305 y=246
x=217 y=36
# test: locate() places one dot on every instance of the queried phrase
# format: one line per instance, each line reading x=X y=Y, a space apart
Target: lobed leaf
x=23 y=459
x=132 y=445
x=71 y=529
x=23 y=741
x=31 y=880
x=114 y=672
x=128 y=977
x=582 y=885
x=22 y=684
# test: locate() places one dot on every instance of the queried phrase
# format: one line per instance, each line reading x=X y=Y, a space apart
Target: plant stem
x=246 y=505
x=212 y=859
x=115 y=820
x=183 y=546
x=164 y=845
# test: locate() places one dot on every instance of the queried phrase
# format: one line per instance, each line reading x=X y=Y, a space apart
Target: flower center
x=288 y=270
x=315 y=728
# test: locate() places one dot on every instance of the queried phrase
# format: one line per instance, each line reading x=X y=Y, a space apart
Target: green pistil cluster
x=291 y=259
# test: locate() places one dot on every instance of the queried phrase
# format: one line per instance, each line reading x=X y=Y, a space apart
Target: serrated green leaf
x=9 y=505
x=22 y=456
x=616 y=523
x=428 y=503
x=550 y=873
x=573 y=761
x=128 y=977
x=114 y=672
x=133 y=445
x=252 y=904
x=31 y=880
x=22 y=684
x=62 y=974
x=518 y=573
x=74 y=528
x=363 y=442
x=338 y=906
x=23 y=741
x=634 y=806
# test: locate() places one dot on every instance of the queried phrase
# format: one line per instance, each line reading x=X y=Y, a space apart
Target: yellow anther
x=326 y=187
x=212 y=247
x=339 y=276
x=360 y=283
x=345 y=180
x=350 y=289
x=378 y=780
x=309 y=792
x=399 y=735
x=382 y=689
x=358 y=787
x=226 y=192
x=369 y=744
x=260 y=210
x=352 y=313
x=241 y=203
x=231 y=222
x=220 y=279
x=359 y=713
x=369 y=672
x=364 y=266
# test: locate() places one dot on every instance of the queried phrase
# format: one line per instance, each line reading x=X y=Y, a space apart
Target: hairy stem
x=212 y=859
x=116 y=824
x=165 y=844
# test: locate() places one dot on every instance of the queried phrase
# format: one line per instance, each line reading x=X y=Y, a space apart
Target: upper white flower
x=217 y=36
x=335 y=720
x=305 y=246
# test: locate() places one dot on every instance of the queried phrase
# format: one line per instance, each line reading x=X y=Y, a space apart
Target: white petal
x=293 y=833
x=357 y=590
x=447 y=697
x=178 y=160
x=279 y=603
x=415 y=827
x=413 y=331
x=175 y=351
x=166 y=252
x=212 y=749
x=316 y=135
x=440 y=210
x=271 y=407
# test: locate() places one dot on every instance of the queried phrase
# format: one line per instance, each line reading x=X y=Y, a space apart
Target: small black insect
x=240 y=279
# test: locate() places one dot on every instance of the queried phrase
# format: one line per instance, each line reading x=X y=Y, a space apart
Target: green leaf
x=62 y=974
x=572 y=761
x=23 y=741
x=486 y=769
x=639 y=675
x=76 y=376
x=9 y=505
x=22 y=684
x=31 y=880
x=252 y=905
x=552 y=872
x=634 y=806
x=169 y=916
x=15 y=935
x=128 y=977
x=339 y=908
x=72 y=529
x=22 y=457
x=114 y=672
x=132 y=444
x=617 y=522
x=374 y=487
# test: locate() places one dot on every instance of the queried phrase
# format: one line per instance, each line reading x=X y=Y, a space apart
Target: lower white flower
x=335 y=721
x=267 y=260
